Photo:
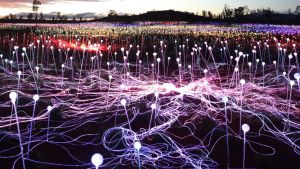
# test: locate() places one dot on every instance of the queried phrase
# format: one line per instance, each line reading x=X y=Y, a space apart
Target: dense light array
x=140 y=95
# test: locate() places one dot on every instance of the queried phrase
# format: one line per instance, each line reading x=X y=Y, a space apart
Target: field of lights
x=149 y=96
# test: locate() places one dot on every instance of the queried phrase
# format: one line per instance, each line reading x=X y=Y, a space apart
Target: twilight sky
x=139 y=6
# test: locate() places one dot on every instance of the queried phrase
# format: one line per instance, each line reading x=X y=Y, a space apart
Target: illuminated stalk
x=158 y=63
x=245 y=128
x=107 y=98
x=52 y=49
x=169 y=58
x=13 y=96
x=62 y=75
x=35 y=98
x=81 y=66
x=49 y=109
x=123 y=103
x=263 y=67
x=225 y=100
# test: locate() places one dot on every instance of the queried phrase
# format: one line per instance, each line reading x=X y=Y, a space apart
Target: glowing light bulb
x=245 y=128
x=292 y=83
x=97 y=160
x=49 y=108
x=123 y=102
x=153 y=106
x=225 y=99
x=137 y=145
x=36 y=97
x=242 y=82
x=13 y=96
x=297 y=76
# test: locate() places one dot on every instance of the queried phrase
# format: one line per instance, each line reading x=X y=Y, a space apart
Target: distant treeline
x=228 y=15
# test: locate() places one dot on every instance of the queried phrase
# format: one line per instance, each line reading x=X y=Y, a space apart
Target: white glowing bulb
x=225 y=99
x=37 y=69
x=297 y=76
x=137 y=145
x=36 y=97
x=49 y=108
x=153 y=106
x=19 y=73
x=110 y=77
x=292 y=83
x=97 y=160
x=123 y=102
x=158 y=59
x=13 y=96
x=245 y=128
x=242 y=82
x=237 y=59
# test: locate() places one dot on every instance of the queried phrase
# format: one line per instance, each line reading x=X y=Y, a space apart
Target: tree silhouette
x=227 y=12
x=35 y=7
x=112 y=13
x=30 y=16
x=297 y=11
